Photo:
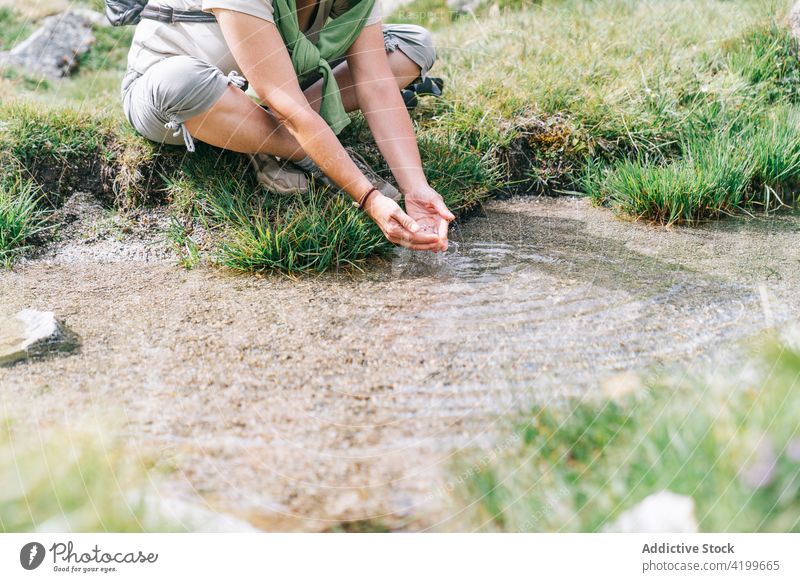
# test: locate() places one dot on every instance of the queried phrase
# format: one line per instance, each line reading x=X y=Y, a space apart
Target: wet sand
x=299 y=404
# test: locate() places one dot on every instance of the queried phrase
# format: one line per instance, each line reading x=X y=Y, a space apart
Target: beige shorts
x=181 y=87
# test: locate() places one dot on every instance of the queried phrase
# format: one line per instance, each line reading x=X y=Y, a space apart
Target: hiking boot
x=277 y=175
x=382 y=185
x=410 y=99
x=427 y=86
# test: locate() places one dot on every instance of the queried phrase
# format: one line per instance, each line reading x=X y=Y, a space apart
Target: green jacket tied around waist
x=335 y=38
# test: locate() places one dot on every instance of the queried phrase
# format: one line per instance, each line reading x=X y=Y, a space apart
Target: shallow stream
x=297 y=404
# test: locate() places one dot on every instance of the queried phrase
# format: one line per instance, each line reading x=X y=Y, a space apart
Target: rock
x=54 y=48
x=662 y=512
x=464 y=6
x=30 y=333
x=794 y=20
x=92 y=16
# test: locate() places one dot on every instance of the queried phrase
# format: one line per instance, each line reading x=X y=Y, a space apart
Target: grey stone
x=54 y=48
x=464 y=6
x=29 y=333
x=794 y=20
x=92 y=16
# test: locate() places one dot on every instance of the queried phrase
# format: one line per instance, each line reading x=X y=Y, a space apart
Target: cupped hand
x=398 y=227
x=428 y=209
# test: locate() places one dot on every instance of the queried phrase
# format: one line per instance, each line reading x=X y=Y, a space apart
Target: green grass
x=70 y=148
x=730 y=441
x=74 y=482
x=756 y=165
x=110 y=50
x=436 y=14
x=21 y=219
x=184 y=245
x=319 y=231
x=13 y=28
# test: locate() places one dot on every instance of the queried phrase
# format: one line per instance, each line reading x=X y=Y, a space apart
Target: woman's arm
x=259 y=50
x=388 y=119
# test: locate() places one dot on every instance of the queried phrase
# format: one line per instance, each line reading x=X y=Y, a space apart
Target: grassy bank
x=690 y=117
x=730 y=441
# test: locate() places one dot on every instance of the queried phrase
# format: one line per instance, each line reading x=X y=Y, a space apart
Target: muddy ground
x=299 y=404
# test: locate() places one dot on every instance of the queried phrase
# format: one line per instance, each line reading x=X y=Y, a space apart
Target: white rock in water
x=662 y=512
x=25 y=333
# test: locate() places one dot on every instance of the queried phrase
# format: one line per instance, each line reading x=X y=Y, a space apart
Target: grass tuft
x=20 y=218
x=756 y=165
x=775 y=149
x=313 y=232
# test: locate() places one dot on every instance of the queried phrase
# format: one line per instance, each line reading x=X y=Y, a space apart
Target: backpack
x=128 y=12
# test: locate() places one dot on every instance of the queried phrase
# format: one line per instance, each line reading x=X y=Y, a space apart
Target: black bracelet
x=365 y=197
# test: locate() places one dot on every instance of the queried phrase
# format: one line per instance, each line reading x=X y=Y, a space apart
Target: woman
x=175 y=90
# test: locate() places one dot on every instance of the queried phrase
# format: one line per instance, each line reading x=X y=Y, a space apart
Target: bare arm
x=390 y=124
x=383 y=107
x=259 y=50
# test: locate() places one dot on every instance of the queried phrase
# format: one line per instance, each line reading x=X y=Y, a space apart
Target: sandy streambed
x=298 y=404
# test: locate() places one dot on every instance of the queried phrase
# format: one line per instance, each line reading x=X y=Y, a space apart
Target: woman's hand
x=398 y=227
x=428 y=209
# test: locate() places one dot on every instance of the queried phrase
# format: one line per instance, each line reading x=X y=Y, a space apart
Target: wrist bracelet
x=365 y=197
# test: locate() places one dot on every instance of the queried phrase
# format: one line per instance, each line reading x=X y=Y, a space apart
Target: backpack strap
x=171 y=16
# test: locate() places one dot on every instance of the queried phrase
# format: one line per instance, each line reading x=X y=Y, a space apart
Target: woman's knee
x=415 y=41
x=170 y=92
